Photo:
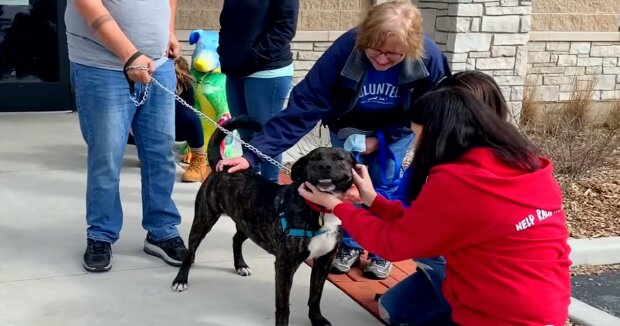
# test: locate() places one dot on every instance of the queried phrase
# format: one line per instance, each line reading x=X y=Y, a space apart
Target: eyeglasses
x=392 y=56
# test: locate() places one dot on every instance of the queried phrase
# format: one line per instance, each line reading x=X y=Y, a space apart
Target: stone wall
x=576 y=15
x=320 y=23
x=314 y=15
x=492 y=36
x=305 y=54
x=574 y=41
x=555 y=64
x=485 y=35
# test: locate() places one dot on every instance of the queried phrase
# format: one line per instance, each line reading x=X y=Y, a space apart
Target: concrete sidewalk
x=42 y=239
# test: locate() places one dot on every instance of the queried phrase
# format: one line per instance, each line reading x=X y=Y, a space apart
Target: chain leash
x=134 y=97
x=213 y=122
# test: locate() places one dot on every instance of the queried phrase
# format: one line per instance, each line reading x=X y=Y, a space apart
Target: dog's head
x=329 y=169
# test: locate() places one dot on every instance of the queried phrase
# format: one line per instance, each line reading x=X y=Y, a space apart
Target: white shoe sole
x=154 y=250
x=94 y=270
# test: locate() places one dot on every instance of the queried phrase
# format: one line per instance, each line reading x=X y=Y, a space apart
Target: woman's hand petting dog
x=362 y=181
x=352 y=196
x=234 y=164
x=325 y=199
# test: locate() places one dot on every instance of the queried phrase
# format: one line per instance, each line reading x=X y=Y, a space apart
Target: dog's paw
x=319 y=320
x=179 y=286
x=244 y=271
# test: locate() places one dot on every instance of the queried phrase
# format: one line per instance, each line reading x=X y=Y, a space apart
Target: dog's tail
x=214 y=152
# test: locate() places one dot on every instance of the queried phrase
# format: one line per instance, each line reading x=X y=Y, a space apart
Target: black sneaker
x=171 y=251
x=98 y=256
x=345 y=259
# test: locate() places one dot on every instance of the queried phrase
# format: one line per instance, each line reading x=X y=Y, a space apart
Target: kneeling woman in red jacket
x=483 y=197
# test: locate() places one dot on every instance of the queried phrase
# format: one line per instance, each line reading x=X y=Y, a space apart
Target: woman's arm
x=430 y=227
x=309 y=102
x=386 y=209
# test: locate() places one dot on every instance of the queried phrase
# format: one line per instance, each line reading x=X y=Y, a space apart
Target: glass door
x=34 y=69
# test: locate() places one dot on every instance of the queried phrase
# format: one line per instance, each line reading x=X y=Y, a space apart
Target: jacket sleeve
x=309 y=101
x=386 y=209
x=437 y=66
x=428 y=228
x=282 y=31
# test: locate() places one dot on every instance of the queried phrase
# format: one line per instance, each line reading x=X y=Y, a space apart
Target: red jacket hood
x=482 y=169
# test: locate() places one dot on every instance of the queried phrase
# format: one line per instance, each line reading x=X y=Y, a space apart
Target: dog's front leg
x=320 y=270
x=285 y=270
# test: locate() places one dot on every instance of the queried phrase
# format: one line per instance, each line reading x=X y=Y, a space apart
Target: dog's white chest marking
x=327 y=240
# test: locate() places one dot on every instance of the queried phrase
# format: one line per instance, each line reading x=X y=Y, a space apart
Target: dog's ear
x=353 y=159
x=298 y=170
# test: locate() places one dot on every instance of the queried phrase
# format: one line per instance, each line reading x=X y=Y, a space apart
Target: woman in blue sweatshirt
x=360 y=88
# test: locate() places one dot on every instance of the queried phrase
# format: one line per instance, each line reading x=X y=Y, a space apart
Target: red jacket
x=502 y=231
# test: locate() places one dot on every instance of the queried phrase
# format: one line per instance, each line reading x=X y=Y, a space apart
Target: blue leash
x=385 y=154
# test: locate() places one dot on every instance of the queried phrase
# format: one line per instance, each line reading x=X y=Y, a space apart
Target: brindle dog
x=258 y=206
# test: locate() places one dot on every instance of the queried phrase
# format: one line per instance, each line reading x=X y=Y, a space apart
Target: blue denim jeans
x=260 y=99
x=399 y=148
x=418 y=300
x=106 y=113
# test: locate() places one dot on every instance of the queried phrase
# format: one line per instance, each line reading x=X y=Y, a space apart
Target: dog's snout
x=325 y=168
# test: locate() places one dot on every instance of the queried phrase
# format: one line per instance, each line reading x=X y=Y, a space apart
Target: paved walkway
x=601 y=291
x=42 y=228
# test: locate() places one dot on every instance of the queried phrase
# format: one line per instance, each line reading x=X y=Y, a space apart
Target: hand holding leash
x=138 y=69
x=362 y=181
x=234 y=164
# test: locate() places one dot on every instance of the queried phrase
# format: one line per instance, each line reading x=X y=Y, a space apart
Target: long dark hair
x=481 y=85
x=454 y=121
x=184 y=77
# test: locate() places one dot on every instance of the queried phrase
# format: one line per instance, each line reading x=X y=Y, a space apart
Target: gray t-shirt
x=144 y=22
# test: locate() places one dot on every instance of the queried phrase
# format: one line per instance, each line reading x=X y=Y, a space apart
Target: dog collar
x=292 y=232
x=316 y=207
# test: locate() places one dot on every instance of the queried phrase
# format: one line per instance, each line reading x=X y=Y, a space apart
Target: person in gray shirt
x=115 y=48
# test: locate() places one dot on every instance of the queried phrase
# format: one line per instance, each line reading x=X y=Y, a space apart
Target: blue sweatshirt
x=332 y=87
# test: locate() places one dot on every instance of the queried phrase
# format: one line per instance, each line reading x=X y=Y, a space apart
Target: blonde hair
x=184 y=78
x=378 y=24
